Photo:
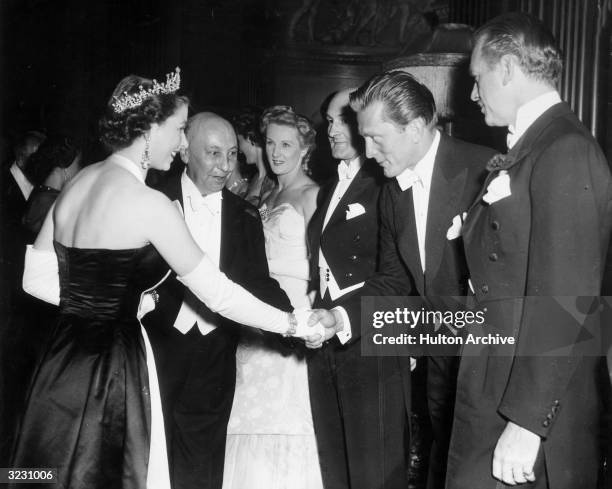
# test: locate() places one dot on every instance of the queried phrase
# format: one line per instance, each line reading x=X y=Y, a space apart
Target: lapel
x=352 y=195
x=524 y=146
x=408 y=241
x=447 y=183
x=316 y=222
x=230 y=221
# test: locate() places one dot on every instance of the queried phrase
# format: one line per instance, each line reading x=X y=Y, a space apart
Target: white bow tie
x=344 y=172
x=410 y=180
x=212 y=205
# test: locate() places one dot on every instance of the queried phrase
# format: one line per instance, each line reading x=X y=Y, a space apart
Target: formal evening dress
x=270 y=442
x=91 y=411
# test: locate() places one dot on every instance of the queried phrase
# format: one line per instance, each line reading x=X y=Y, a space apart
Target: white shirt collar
x=527 y=114
x=348 y=169
x=22 y=181
x=423 y=170
x=193 y=197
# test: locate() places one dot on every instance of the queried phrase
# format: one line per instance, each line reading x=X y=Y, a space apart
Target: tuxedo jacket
x=458 y=173
x=242 y=257
x=243 y=260
x=547 y=239
x=350 y=246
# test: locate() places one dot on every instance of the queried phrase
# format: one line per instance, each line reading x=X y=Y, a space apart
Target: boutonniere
x=498 y=188
x=354 y=210
x=500 y=162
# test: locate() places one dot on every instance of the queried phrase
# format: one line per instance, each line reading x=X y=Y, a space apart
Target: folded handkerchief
x=354 y=210
x=454 y=231
x=498 y=189
x=303 y=330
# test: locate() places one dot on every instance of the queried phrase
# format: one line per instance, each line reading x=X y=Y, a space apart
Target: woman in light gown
x=270 y=442
x=93 y=410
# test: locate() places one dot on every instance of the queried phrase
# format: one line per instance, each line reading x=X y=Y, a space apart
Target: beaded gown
x=270 y=441
x=90 y=412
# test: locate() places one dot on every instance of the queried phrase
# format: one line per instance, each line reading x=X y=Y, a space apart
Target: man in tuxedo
x=535 y=240
x=433 y=179
x=343 y=244
x=195 y=348
x=16 y=189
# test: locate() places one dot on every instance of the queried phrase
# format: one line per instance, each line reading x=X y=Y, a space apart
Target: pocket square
x=454 y=231
x=354 y=210
x=498 y=189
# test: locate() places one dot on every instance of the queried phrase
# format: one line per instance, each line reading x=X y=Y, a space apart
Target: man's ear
x=508 y=64
x=414 y=129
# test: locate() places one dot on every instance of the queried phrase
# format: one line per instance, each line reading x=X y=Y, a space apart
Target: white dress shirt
x=528 y=113
x=419 y=178
x=203 y=219
x=22 y=181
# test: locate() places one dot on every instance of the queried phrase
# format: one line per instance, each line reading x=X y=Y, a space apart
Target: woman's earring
x=145 y=162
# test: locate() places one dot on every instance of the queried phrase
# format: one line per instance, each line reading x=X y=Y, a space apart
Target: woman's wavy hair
x=56 y=151
x=284 y=115
x=246 y=124
x=119 y=130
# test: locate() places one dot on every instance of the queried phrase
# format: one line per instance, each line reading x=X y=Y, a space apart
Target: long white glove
x=41 y=275
x=227 y=298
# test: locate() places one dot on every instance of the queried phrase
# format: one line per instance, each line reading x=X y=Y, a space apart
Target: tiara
x=127 y=101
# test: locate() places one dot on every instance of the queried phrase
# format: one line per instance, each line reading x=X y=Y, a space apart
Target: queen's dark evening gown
x=88 y=412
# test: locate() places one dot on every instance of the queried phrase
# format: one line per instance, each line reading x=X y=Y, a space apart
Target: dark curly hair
x=246 y=124
x=119 y=130
x=285 y=116
x=56 y=151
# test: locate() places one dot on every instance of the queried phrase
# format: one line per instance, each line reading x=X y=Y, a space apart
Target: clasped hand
x=316 y=326
x=515 y=455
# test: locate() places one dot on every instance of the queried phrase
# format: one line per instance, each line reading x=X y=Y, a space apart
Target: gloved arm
x=40 y=275
x=227 y=298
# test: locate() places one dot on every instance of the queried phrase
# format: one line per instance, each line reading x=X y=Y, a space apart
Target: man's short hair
x=404 y=98
x=525 y=37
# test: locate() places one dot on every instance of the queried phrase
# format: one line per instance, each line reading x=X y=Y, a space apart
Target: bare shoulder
x=309 y=193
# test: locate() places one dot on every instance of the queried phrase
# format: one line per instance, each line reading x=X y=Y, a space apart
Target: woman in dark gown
x=93 y=411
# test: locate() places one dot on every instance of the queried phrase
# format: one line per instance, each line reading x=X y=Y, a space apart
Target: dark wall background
x=62 y=58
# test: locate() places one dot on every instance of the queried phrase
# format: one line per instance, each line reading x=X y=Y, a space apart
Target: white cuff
x=347 y=333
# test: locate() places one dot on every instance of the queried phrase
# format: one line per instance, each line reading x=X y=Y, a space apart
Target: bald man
x=195 y=348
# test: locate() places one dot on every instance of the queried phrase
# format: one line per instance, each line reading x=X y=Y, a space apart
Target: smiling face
x=339 y=130
x=385 y=141
x=212 y=153
x=168 y=138
x=283 y=148
x=491 y=90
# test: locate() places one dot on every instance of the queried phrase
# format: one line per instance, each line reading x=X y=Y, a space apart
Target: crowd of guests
x=209 y=331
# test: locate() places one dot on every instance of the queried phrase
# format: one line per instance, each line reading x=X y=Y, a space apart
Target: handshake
x=314 y=326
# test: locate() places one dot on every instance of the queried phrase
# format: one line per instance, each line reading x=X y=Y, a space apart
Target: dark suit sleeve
x=569 y=194
x=256 y=278
x=392 y=277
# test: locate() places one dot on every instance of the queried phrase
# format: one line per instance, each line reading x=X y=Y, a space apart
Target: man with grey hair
x=433 y=179
x=537 y=233
x=194 y=348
